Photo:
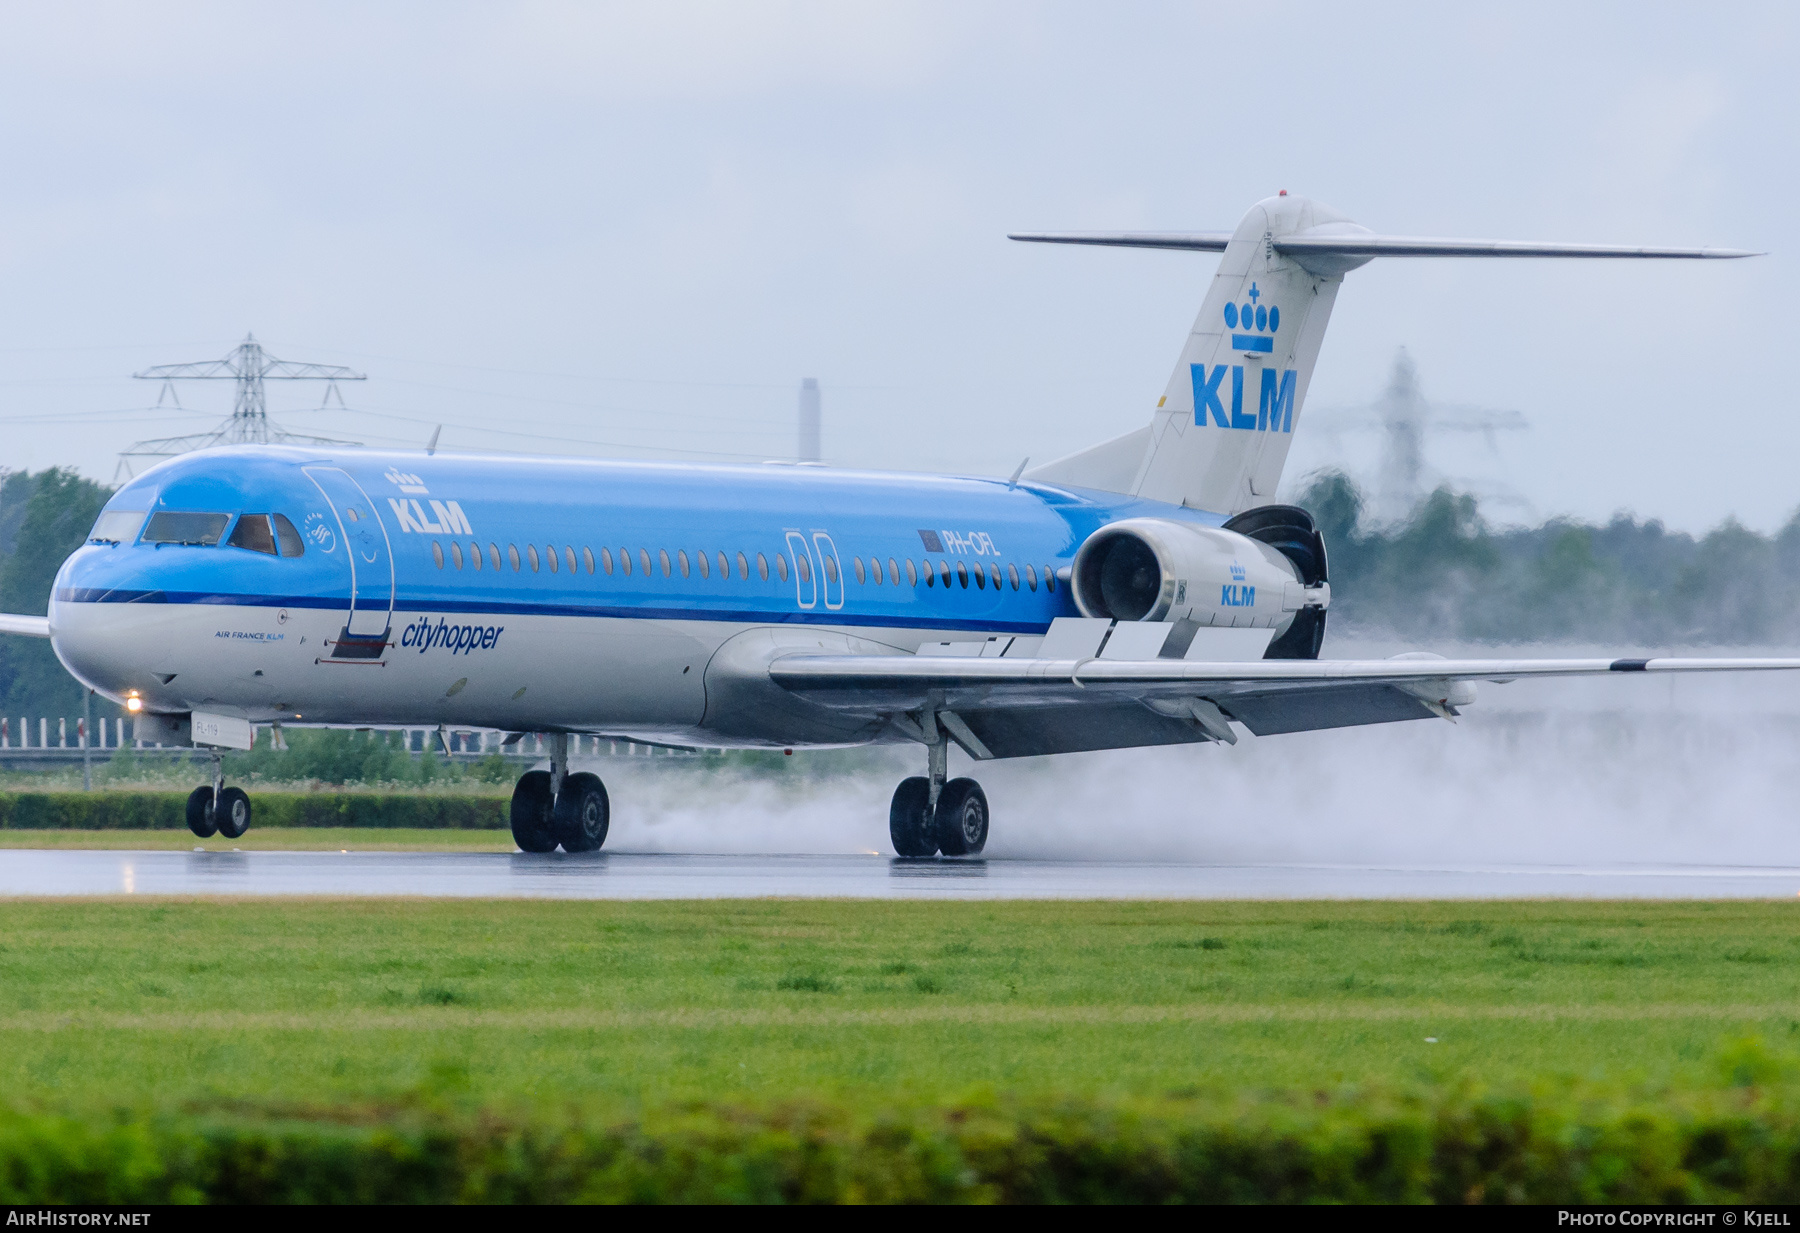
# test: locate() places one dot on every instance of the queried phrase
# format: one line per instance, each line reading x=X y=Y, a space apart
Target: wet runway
x=626 y=875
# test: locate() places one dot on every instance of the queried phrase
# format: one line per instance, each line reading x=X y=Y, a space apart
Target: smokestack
x=809 y=420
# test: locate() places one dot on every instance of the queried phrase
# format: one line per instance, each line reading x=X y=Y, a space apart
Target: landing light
x=134 y=704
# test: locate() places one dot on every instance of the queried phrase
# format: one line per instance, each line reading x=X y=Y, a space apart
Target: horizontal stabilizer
x=1368 y=245
x=29 y=626
x=1193 y=241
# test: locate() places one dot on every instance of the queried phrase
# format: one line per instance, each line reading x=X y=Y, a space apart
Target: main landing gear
x=214 y=809
x=554 y=807
x=929 y=816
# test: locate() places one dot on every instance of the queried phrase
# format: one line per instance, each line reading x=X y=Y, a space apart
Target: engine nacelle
x=1151 y=569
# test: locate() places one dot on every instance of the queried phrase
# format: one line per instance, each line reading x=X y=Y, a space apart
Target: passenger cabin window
x=550 y=552
x=456 y=554
x=944 y=572
x=762 y=565
x=701 y=560
x=781 y=566
x=856 y=563
x=169 y=527
x=644 y=560
x=512 y=554
x=681 y=559
x=1031 y=577
x=475 y=555
x=1050 y=578
x=625 y=560
x=437 y=554
x=912 y=574
x=253 y=532
x=803 y=568
x=532 y=556
x=587 y=558
x=494 y=555
x=744 y=569
x=663 y=555
x=117 y=526
x=606 y=561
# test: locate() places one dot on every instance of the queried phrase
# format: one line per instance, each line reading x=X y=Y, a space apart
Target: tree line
x=1446 y=573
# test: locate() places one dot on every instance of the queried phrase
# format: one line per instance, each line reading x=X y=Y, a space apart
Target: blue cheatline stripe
x=1250 y=342
x=409 y=607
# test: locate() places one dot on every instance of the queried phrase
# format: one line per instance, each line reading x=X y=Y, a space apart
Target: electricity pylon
x=249 y=366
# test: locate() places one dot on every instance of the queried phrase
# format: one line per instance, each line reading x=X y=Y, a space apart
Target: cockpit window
x=117 y=526
x=169 y=527
x=291 y=543
x=252 y=532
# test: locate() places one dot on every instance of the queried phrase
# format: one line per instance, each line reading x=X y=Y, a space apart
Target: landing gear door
x=806 y=578
x=365 y=540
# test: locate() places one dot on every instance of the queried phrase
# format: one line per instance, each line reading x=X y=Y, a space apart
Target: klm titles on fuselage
x=1258 y=324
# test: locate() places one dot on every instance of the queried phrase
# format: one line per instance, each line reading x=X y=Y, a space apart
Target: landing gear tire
x=582 y=813
x=200 y=812
x=533 y=823
x=909 y=818
x=961 y=824
x=231 y=813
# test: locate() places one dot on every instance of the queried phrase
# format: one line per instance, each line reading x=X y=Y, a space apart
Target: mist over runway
x=629 y=875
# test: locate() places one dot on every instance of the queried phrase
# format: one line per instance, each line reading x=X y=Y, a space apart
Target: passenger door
x=371 y=562
x=832 y=568
x=806 y=575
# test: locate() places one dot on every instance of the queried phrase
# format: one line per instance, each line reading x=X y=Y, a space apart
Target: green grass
x=624 y=1004
x=271 y=839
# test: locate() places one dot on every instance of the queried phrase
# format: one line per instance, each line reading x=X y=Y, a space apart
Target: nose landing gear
x=554 y=807
x=929 y=815
x=214 y=809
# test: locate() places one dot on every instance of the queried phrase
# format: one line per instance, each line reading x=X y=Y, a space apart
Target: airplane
x=1146 y=591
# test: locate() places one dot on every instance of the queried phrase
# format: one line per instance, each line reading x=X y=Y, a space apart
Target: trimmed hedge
x=136 y=811
x=1736 y=1147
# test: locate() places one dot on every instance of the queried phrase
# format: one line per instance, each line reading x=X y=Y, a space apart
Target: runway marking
x=450 y=1018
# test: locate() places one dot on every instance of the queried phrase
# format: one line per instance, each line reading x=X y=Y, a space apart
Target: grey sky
x=576 y=227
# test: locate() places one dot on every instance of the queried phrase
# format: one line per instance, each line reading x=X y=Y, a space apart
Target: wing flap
x=1020 y=707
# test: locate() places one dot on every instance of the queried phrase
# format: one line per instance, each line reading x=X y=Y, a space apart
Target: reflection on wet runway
x=627 y=875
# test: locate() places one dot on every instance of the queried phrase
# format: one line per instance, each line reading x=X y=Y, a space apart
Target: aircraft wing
x=29 y=626
x=1003 y=708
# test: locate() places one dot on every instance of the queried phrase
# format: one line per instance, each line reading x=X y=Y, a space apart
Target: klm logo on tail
x=1259 y=323
x=1275 y=408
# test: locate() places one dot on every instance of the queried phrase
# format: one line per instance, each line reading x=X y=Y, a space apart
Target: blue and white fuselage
x=544 y=594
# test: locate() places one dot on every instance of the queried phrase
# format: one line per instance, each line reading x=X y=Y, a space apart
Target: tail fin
x=1220 y=435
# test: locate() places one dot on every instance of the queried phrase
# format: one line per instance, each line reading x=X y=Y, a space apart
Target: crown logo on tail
x=1258 y=322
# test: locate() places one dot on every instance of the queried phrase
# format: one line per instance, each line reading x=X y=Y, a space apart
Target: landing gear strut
x=554 y=807
x=929 y=815
x=214 y=809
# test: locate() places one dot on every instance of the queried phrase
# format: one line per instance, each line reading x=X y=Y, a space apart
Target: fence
x=65 y=739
